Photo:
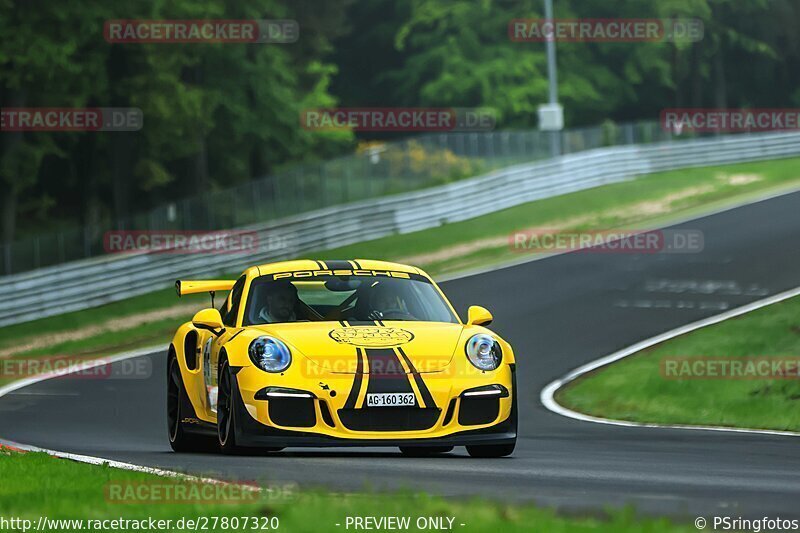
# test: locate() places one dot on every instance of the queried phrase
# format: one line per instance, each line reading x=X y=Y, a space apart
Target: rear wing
x=194 y=287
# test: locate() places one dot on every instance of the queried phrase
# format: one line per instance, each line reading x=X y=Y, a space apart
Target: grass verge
x=64 y=490
x=648 y=200
x=643 y=388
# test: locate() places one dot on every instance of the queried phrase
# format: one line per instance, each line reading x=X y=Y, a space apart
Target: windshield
x=344 y=298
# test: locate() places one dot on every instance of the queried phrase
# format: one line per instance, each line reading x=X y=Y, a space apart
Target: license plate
x=391 y=399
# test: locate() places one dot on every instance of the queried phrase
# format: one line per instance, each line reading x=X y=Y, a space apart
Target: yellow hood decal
x=333 y=345
x=372 y=336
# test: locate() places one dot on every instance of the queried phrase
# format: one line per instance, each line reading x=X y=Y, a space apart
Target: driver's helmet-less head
x=281 y=301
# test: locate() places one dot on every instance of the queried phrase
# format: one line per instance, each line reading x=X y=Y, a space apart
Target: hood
x=428 y=346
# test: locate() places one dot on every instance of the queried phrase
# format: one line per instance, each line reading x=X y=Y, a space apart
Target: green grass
x=37 y=485
x=77 y=319
x=603 y=207
x=600 y=205
x=634 y=388
x=111 y=341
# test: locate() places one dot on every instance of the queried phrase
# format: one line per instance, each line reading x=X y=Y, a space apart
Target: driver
x=384 y=301
x=282 y=303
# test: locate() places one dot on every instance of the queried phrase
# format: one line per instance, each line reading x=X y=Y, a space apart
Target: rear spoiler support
x=209 y=286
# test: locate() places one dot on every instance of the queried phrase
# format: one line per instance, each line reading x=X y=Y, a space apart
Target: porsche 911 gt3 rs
x=338 y=353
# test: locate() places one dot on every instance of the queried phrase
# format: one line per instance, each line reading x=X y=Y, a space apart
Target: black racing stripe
x=361 y=322
x=359 y=267
x=343 y=323
x=423 y=389
x=386 y=374
x=321 y=265
x=338 y=265
x=353 y=396
x=235 y=335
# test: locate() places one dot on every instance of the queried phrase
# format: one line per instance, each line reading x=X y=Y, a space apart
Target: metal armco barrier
x=88 y=283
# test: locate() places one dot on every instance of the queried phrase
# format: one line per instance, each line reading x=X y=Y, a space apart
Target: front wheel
x=226 y=414
x=491 y=450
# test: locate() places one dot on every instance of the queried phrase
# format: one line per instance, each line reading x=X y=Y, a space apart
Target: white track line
x=547 y=395
x=84 y=365
x=122 y=466
x=15 y=386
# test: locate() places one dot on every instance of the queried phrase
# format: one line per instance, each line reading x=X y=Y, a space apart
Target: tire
x=499 y=450
x=491 y=450
x=226 y=414
x=179 y=439
x=424 y=451
x=226 y=417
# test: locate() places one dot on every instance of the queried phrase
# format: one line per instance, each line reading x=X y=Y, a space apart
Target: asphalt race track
x=558 y=313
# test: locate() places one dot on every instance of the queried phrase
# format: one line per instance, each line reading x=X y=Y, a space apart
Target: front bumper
x=320 y=421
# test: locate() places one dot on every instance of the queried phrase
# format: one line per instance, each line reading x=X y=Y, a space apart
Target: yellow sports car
x=338 y=353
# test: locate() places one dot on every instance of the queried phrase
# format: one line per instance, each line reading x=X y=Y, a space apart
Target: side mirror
x=209 y=319
x=478 y=316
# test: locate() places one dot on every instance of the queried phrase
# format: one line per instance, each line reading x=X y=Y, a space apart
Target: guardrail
x=377 y=169
x=83 y=284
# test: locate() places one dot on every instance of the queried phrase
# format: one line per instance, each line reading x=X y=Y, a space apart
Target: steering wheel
x=336 y=314
x=394 y=314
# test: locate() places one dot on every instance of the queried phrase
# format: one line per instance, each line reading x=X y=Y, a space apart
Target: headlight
x=270 y=354
x=484 y=352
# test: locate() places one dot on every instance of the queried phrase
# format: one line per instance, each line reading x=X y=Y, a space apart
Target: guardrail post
x=37 y=261
x=86 y=245
x=255 y=194
x=628 y=128
x=7 y=258
x=346 y=188
x=322 y=186
x=209 y=211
